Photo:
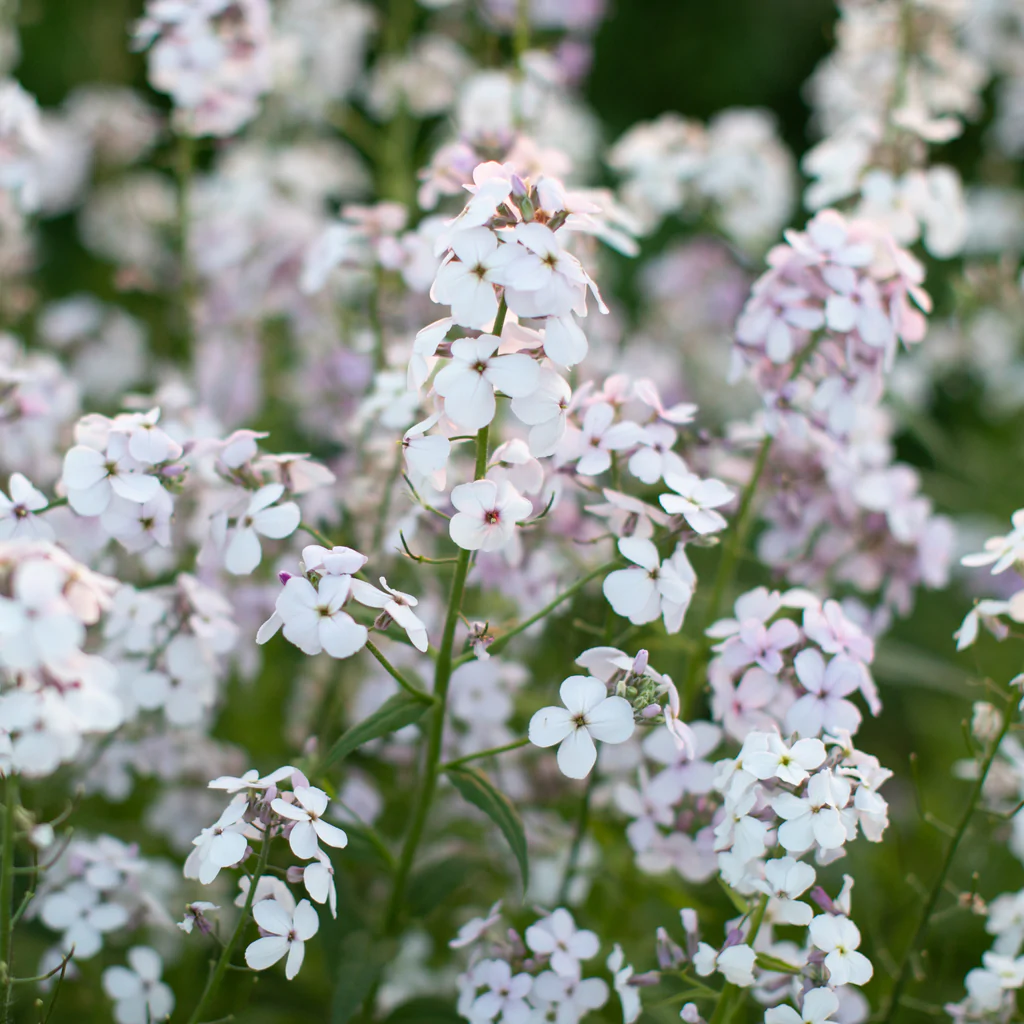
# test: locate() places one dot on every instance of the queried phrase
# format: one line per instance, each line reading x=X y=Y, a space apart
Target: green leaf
x=478 y=789
x=432 y=885
x=773 y=963
x=395 y=713
x=424 y=1010
x=358 y=968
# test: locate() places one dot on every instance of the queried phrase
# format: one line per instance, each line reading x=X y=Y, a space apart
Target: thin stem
x=317 y=535
x=404 y=683
x=7 y=889
x=502 y=641
x=724 y=1006
x=442 y=677
x=213 y=983
x=481 y=754
x=947 y=862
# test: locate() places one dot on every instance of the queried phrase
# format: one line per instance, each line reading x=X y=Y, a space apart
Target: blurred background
x=695 y=58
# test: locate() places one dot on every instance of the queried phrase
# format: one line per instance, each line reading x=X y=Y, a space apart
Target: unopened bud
x=284 y=577
x=382 y=622
x=294 y=874
x=640 y=663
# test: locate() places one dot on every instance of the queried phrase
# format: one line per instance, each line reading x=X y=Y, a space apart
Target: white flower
x=250 y=780
x=397 y=606
x=819 y=1005
x=696 y=500
x=469 y=381
x=138 y=993
x=599 y=435
x=77 y=912
x=261 y=518
x=219 y=846
x=654 y=587
x=824 y=706
x=426 y=455
x=655 y=459
x=487 y=514
x=736 y=963
x=16 y=519
x=506 y=994
x=314 y=619
x=544 y=411
x=194 y=913
x=589 y=714
x=786 y=879
x=1003 y=551
x=629 y=995
x=476 y=927
x=816 y=817
x=92 y=477
x=318 y=878
x=467 y=283
x=838 y=938
x=790 y=764
x=567 y=1000
x=557 y=936
x=287 y=935
x=307 y=813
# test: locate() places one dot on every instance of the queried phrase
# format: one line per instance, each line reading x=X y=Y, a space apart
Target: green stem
x=481 y=754
x=502 y=641
x=724 y=1007
x=317 y=536
x=7 y=889
x=442 y=677
x=404 y=683
x=947 y=862
x=213 y=983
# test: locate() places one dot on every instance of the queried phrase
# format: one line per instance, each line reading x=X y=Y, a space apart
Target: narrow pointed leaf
x=394 y=714
x=478 y=789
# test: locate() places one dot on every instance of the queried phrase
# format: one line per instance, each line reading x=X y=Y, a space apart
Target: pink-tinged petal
x=305 y=921
x=226 y=849
x=564 y=340
x=633 y=595
x=468 y=532
x=577 y=754
x=83 y=467
x=314 y=800
x=293 y=964
x=611 y=721
x=137 y=487
x=550 y=726
x=810 y=670
x=581 y=694
x=330 y=834
x=515 y=375
x=342 y=636
x=641 y=552
x=269 y=628
x=93 y=500
x=289 y=810
x=272 y=917
x=302 y=840
x=264 y=953
x=264 y=497
x=279 y=521
x=243 y=552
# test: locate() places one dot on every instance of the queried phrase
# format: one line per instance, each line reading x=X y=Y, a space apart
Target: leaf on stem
x=478 y=789
x=395 y=713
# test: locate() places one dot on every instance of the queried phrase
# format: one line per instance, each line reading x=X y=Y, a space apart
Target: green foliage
x=478 y=789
